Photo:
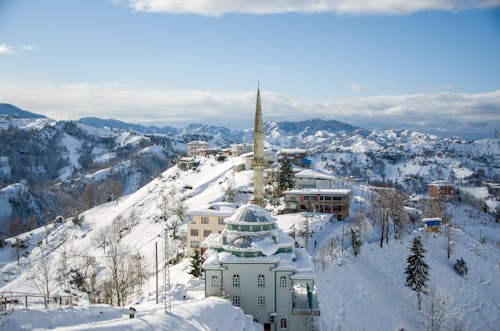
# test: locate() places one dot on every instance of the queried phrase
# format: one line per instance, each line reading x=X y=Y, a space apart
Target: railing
x=19 y=300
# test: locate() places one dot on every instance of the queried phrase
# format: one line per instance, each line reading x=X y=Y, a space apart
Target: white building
x=238 y=149
x=254 y=264
x=205 y=221
x=269 y=158
x=313 y=179
x=194 y=147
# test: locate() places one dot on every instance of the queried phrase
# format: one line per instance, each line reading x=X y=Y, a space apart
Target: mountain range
x=60 y=167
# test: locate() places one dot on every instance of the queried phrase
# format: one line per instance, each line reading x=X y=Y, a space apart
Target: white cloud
x=384 y=7
x=469 y=115
x=355 y=87
x=6 y=49
x=27 y=47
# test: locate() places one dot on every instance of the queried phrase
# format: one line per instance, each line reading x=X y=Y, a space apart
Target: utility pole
x=156 y=274
x=166 y=277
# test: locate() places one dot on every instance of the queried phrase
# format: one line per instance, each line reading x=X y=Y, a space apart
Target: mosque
x=255 y=265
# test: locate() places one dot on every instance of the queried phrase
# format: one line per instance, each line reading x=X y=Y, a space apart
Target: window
x=261 y=301
x=204 y=220
x=283 y=323
x=220 y=220
x=236 y=280
x=194 y=232
x=195 y=244
x=236 y=300
x=215 y=281
x=261 y=281
x=283 y=281
x=206 y=233
x=306 y=198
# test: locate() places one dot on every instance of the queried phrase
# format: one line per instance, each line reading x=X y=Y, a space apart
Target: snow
x=193 y=315
x=365 y=292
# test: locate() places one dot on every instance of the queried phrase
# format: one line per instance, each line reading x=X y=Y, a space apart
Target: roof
x=308 y=173
x=216 y=209
x=434 y=219
x=266 y=152
x=318 y=191
x=292 y=151
x=441 y=183
x=251 y=214
x=198 y=142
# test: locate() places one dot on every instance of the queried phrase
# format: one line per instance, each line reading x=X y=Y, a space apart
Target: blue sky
x=418 y=65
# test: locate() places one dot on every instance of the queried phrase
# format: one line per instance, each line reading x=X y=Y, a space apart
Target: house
x=432 y=224
x=313 y=179
x=334 y=201
x=269 y=158
x=239 y=149
x=209 y=151
x=297 y=155
x=441 y=190
x=207 y=220
x=194 y=147
x=253 y=264
x=186 y=163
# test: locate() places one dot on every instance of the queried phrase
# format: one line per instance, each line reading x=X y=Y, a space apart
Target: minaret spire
x=258 y=154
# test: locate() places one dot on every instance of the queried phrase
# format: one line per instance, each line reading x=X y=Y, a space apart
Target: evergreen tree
x=461 y=267
x=417 y=271
x=286 y=178
x=355 y=242
x=196 y=264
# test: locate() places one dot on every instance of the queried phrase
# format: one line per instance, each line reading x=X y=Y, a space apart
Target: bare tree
x=439 y=310
x=119 y=273
x=42 y=276
x=173 y=210
x=388 y=204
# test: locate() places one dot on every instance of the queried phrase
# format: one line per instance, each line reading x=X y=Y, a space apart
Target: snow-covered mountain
x=355 y=292
x=10 y=111
x=58 y=160
x=65 y=166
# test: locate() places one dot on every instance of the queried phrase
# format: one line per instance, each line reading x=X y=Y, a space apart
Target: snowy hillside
x=366 y=292
x=68 y=166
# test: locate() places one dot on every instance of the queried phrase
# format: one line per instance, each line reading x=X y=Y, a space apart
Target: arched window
x=261 y=281
x=283 y=323
x=283 y=281
x=236 y=280
x=215 y=281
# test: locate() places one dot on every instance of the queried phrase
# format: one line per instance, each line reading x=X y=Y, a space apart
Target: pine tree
x=417 y=271
x=461 y=267
x=355 y=242
x=196 y=264
x=286 y=179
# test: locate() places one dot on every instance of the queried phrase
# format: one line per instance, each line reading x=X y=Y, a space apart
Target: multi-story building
x=254 y=264
x=313 y=179
x=334 y=201
x=441 y=190
x=238 y=149
x=205 y=221
x=194 y=147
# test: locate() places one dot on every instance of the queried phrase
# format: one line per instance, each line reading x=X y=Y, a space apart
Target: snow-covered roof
x=441 y=183
x=266 y=152
x=308 y=173
x=225 y=209
x=318 y=191
x=198 y=142
x=292 y=151
x=433 y=219
x=251 y=214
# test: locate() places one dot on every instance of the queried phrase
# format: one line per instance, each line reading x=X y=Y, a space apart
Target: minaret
x=258 y=156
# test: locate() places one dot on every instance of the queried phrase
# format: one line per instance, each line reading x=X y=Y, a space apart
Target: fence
x=18 y=300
